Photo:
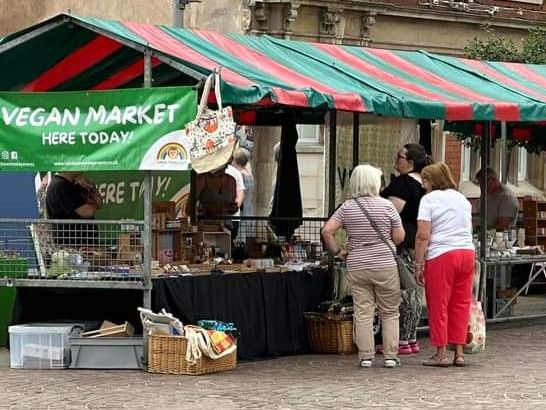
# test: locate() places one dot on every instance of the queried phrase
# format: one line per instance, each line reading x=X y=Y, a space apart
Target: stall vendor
x=215 y=193
x=70 y=196
x=502 y=204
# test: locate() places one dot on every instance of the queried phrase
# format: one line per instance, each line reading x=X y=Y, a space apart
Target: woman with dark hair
x=444 y=262
x=405 y=193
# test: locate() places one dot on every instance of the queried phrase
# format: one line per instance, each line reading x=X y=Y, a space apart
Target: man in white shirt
x=240 y=186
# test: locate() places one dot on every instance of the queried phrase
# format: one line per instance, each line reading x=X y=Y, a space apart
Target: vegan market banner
x=101 y=130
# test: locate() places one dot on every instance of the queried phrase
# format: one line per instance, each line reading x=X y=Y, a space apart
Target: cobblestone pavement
x=510 y=375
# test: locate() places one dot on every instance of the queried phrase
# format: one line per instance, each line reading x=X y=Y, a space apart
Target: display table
x=267 y=308
x=499 y=270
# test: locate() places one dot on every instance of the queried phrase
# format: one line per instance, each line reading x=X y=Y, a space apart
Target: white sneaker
x=365 y=363
x=390 y=363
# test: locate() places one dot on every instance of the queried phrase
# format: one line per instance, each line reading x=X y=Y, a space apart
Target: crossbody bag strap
x=375 y=227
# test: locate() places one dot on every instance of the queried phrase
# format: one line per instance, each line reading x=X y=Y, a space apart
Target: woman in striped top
x=371 y=267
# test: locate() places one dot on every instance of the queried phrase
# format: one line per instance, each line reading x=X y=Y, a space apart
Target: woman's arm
x=422 y=240
x=397 y=202
x=398 y=235
x=330 y=227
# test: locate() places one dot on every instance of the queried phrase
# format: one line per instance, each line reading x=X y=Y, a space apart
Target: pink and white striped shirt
x=365 y=246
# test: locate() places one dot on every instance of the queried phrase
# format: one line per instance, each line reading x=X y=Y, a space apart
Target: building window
x=309 y=134
x=539 y=2
x=466 y=161
x=522 y=163
x=517 y=168
x=471 y=161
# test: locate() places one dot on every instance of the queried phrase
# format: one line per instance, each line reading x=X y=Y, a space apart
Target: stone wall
x=29 y=12
x=227 y=16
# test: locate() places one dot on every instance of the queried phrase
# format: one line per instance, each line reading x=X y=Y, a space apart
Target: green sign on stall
x=122 y=191
x=121 y=130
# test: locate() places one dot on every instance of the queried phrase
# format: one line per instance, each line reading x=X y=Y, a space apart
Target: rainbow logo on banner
x=172 y=152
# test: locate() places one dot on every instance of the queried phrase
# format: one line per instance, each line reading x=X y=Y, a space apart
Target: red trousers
x=448 y=286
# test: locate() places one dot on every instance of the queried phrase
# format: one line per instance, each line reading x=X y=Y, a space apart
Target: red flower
x=478 y=129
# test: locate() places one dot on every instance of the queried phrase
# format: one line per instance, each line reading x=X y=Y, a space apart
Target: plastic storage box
x=106 y=352
x=41 y=346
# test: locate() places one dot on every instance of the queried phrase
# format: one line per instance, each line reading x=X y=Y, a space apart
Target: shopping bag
x=212 y=132
x=475 y=335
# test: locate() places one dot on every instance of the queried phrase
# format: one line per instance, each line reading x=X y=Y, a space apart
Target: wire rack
x=258 y=237
x=84 y=253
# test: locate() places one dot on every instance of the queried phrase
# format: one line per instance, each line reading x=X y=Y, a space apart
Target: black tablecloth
x=267 y=308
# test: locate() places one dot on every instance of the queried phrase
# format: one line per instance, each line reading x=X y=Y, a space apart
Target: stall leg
x=484 y=151
x=147 y=257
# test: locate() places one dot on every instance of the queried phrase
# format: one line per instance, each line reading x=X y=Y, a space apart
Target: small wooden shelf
x=534 y=222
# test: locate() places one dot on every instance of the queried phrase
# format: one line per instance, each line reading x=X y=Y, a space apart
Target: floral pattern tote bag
x=212 y=132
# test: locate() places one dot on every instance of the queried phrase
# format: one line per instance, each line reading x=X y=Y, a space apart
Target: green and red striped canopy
x=77 y=53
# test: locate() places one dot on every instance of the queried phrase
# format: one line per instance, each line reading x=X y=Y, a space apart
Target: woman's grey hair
x=365 y=181
x=241 y=156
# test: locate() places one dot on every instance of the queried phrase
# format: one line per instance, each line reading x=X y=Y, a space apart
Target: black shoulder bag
x=407 y=279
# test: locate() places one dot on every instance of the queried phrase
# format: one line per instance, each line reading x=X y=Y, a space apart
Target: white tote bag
x=212 y=132
x=475 y=334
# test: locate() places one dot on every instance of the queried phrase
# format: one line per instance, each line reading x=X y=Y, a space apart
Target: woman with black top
x=405 y=193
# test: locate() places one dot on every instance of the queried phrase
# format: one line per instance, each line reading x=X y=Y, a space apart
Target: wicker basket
x=167 y=354
x=330 y=333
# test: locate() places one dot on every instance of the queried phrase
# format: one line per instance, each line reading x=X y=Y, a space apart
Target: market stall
x=123 y=258
x=263 y=78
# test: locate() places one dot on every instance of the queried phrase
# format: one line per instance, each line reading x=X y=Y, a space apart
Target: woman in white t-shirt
x=444 y=262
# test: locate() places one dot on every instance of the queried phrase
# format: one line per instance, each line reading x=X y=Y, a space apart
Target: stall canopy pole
x=332 y=163
x=356 y=139
x=503 y=155
x=484 y=152
x=147 y=186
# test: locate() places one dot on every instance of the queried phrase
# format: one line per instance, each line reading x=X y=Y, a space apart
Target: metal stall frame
x=146 y=282
x=490 y=266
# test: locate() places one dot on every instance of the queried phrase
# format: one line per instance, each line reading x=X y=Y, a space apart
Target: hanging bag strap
x=204 y=96
x=212 y=78
x=217 y=88
x=376 y=228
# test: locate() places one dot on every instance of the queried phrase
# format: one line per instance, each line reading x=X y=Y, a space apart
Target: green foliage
x=493 y=48
x=534 y=47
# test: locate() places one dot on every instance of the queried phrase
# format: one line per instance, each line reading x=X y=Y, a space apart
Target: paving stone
x=510 y=374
